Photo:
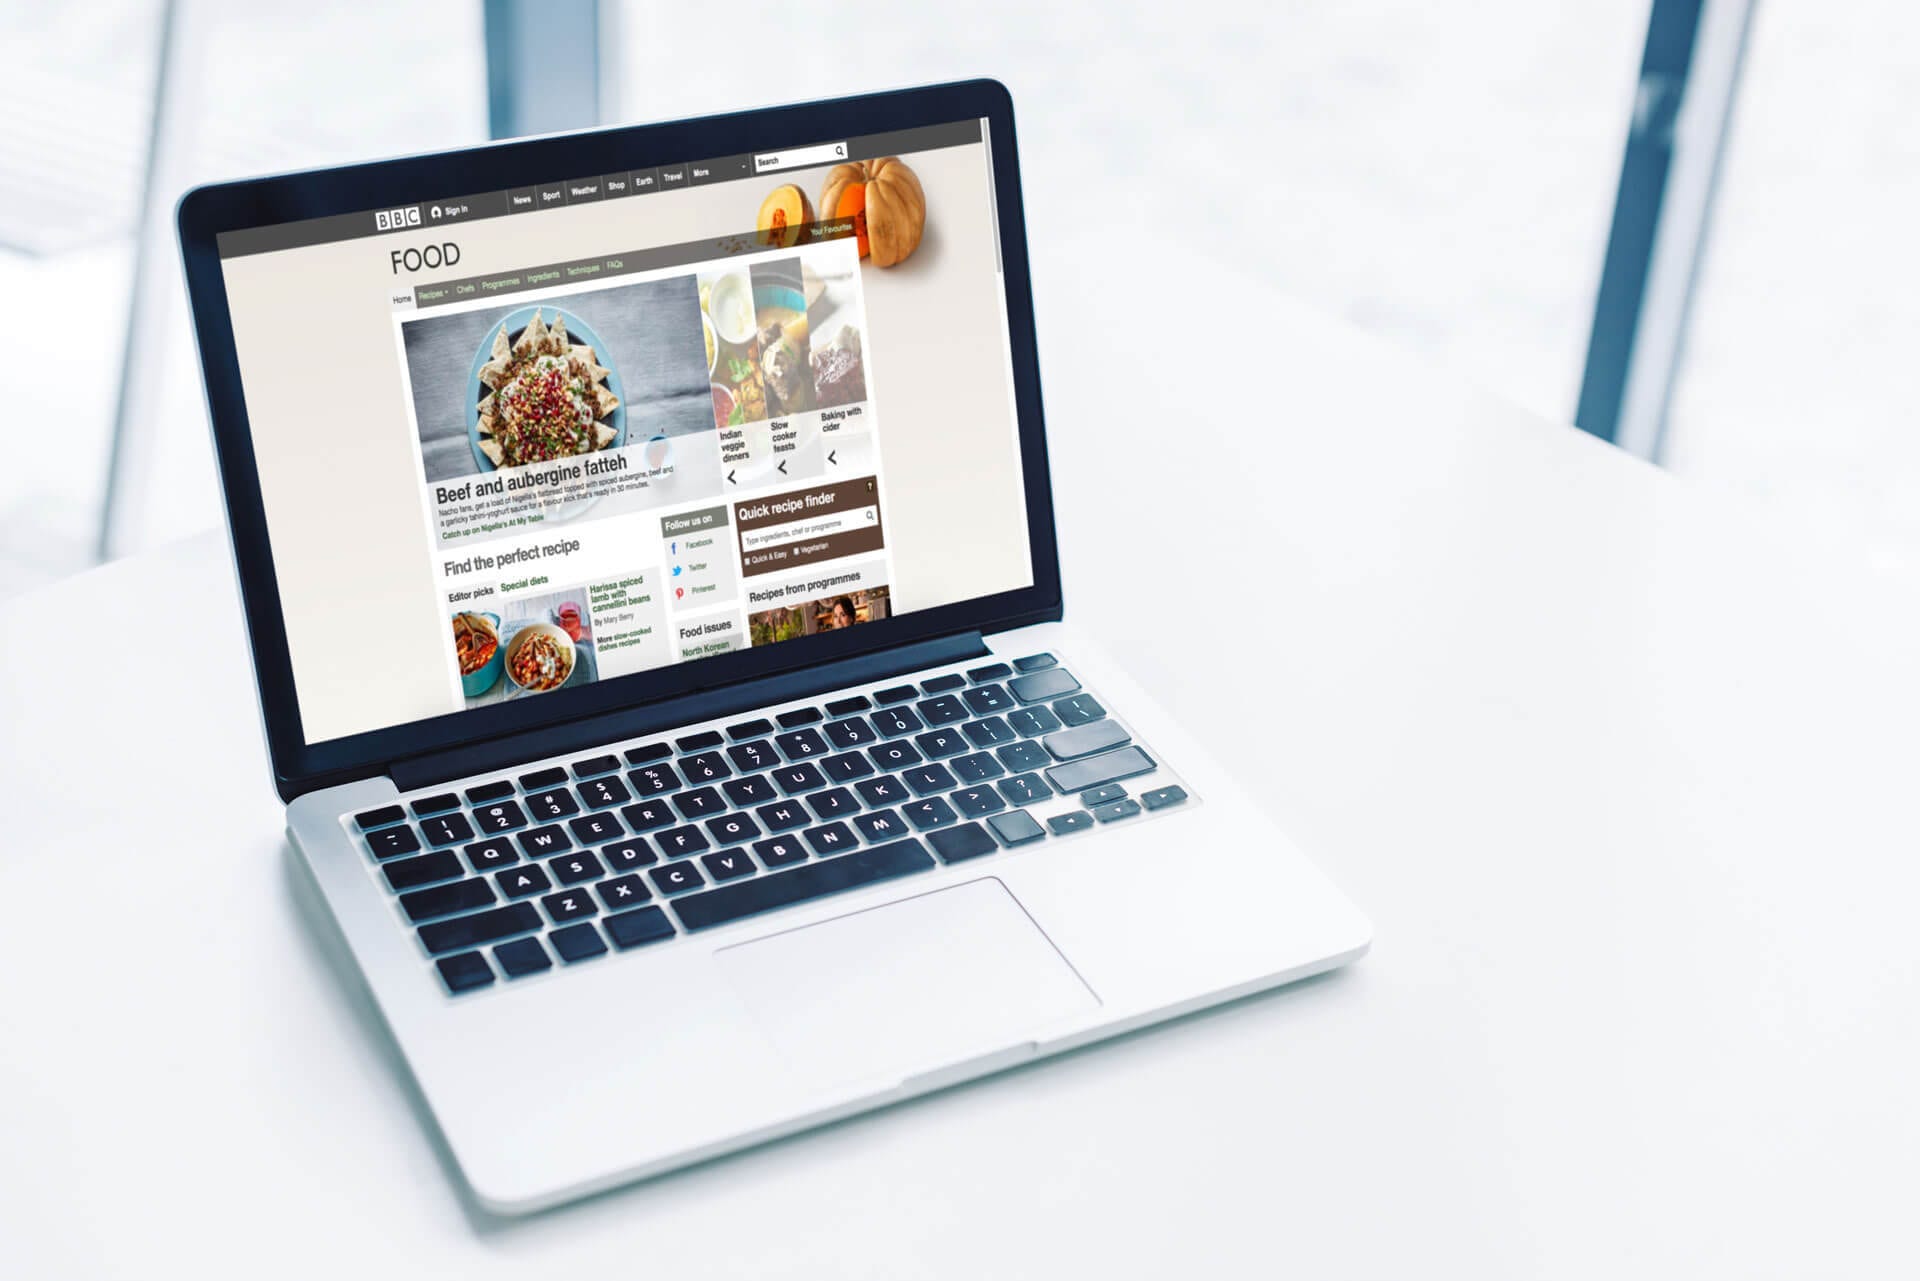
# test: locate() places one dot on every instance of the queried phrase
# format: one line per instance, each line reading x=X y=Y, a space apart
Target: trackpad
x=907 y=987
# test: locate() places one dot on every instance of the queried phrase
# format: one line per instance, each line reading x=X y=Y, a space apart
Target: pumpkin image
x=884 y=199
x=782 y=214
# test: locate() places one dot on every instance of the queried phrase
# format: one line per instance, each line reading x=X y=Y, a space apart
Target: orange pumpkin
x=884 y=199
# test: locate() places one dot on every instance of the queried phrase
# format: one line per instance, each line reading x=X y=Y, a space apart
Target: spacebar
x=783 y=889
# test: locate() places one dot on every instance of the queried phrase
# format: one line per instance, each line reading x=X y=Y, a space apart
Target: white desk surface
x=1625 y=781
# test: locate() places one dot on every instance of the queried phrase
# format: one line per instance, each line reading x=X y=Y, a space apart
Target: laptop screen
x=524 y=440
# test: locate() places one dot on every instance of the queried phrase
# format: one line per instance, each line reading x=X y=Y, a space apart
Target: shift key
x=1084 y=740
x=1098 y=771
x=463 y=932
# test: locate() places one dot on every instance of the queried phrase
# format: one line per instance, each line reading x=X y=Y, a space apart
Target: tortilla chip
x=491 y=448
x=602 y=435
x=604 y=401
x=495 y=373
x=486 y=414
x=530 y=340
x=502 y=349
x=555 y=343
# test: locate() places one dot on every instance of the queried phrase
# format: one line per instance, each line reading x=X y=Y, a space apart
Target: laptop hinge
x=685 y=709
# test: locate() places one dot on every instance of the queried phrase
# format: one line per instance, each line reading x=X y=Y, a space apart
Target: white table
x=1624 y=779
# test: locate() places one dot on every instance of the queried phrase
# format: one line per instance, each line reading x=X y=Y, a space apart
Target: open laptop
x=647 y=547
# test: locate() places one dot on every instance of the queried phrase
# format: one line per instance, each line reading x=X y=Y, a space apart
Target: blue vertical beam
x=1689 y=76
x=527 y=42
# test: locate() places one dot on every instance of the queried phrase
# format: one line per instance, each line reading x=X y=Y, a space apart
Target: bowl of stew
x=540 y=657
x=476 y=646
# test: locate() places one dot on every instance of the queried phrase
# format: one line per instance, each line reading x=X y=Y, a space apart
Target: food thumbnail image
x=780 y=312
x=726 y=307
x=827 y=614
x=543 y=396
x=544 y=643
x=839 y=375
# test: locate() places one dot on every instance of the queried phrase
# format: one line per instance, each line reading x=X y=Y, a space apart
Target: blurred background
x=1684 y=224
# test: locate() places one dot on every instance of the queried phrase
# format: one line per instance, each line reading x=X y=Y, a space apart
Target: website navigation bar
x=519 y=280
x=589 y=190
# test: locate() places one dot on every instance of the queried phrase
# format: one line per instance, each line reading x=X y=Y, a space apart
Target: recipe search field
x=797 y=157
x=825 y=526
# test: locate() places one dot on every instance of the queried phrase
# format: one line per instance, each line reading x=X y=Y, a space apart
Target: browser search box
x=798 y=157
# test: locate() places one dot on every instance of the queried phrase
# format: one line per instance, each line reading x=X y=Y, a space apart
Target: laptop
x=647 y=548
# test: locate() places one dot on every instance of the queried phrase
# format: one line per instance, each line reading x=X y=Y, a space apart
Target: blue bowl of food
x=541 y=389
x=476 y=643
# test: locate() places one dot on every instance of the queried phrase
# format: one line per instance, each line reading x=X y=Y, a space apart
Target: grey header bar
x=499 y=283
x=721 y=170
x=490 y=204
x=693 y=522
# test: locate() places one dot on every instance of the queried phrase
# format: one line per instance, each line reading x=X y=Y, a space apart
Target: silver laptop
x=647 y=547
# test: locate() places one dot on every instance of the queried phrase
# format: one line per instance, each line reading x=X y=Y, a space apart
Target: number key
x=753 y=756
x=557 y=803
x=653 y=779
x=599 y=793
x=851 y=732
x=446 y=829
x=802 y=744
x=894 y=721
x=502 y=817
x=704 y=767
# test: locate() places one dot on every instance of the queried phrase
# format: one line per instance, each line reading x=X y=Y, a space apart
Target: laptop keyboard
x=511 y=876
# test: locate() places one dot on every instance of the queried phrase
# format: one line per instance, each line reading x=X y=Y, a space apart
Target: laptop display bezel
x=205 y=212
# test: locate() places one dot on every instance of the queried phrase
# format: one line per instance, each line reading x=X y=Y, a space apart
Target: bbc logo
x=392 y=219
